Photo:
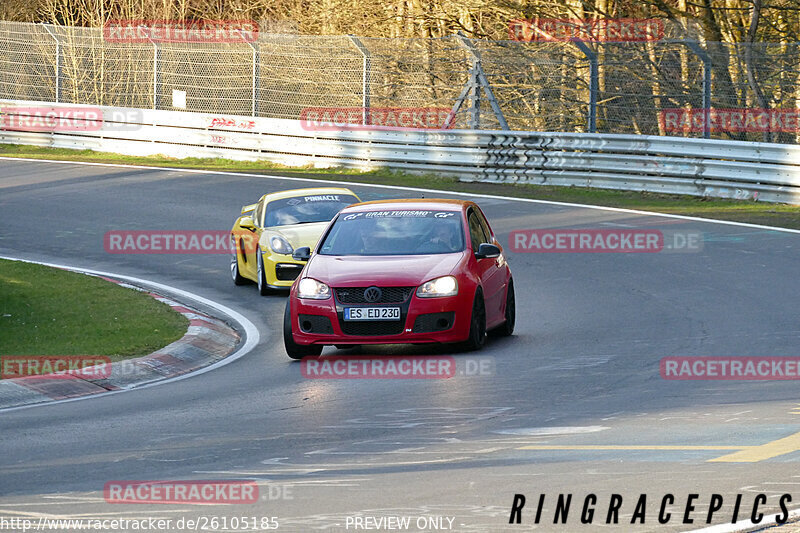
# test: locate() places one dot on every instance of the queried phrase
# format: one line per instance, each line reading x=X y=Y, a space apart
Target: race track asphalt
x=581 y=373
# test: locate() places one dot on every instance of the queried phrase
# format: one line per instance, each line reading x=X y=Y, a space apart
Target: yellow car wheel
x=238 y=279
x=261 y=276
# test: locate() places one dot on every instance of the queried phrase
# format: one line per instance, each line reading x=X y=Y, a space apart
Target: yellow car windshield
x=306 y=209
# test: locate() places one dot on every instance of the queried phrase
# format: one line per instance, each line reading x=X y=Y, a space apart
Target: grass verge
x=736 y=210
x=49 y=311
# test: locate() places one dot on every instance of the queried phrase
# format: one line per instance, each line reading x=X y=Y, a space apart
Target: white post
x=58 y=63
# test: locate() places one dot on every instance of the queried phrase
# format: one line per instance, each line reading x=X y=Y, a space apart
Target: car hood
x=298 y=235
x=384 y=270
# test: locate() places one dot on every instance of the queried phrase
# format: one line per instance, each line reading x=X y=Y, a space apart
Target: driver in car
x=440 y=240
x=366 y=242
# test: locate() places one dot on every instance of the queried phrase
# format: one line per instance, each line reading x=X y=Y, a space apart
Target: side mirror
x=247 y=223
x=487 y=251
x=302 y=254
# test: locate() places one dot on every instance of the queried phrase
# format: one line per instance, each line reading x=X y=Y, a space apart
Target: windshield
x=306 y=209
x=395 y=233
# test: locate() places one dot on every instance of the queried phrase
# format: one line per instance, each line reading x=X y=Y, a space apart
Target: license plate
x=372 y=313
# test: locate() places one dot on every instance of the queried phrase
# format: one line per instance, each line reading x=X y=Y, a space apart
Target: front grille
x=391 y=295
x=315 y=324
x=372 y=327
x=434 y=322
x=287 y=271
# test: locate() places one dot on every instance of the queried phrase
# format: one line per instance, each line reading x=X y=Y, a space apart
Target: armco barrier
x=724 y=169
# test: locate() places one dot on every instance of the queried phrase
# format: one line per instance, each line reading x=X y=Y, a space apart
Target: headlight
x=280 y=245
x=444 y=286
x=313 y=289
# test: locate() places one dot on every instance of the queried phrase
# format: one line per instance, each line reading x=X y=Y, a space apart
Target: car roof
x=411 y=203
x=306 y=192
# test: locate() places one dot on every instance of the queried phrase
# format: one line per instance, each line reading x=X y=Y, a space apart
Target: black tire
x=294 y=350
x=506 y=329
x=477 y=324
x=261 y=276
x=235 y=275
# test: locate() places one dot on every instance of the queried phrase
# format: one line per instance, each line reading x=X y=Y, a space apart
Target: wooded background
x=415 y=60
x=730 y=21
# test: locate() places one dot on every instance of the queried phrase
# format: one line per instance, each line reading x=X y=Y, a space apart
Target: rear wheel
x=294 y=350
x=477 y=328
x=235 y=275
x=506 y=329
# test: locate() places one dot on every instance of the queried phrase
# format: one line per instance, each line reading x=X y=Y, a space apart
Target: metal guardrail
x=700 y=167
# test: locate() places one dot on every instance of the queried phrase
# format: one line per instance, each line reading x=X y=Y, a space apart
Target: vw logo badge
x=373 y=294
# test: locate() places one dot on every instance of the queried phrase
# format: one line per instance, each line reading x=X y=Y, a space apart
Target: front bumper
x=281 y=270
x=422 y=321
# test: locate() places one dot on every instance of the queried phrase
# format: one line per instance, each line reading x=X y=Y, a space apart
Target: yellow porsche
x=267 y=233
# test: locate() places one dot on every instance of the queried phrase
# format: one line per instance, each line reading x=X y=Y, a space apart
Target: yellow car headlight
x=280 y=245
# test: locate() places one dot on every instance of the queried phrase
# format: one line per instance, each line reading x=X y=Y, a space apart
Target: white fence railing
x=724 y=169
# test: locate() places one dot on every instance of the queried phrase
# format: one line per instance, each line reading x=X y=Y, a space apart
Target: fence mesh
x=539 y=86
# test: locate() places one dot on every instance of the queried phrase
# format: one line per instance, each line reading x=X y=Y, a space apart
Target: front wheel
x=261 y=275
x=294 y=350
x=238 y=279
x=477 y=327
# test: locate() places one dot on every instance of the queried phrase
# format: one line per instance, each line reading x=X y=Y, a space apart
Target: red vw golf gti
x=401 y=271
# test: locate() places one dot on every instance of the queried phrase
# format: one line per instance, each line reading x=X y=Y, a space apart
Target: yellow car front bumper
x=280 y=270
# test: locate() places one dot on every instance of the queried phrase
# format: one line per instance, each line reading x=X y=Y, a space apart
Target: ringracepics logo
x=730 y=368
x=55 y=366
x=589 y=30
x=395 y=367
x=604 y=241
x=730 y=120
x=178 y=242
x=360 y=118
x=180 y=31
x=181 y=492
x=648 y=508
